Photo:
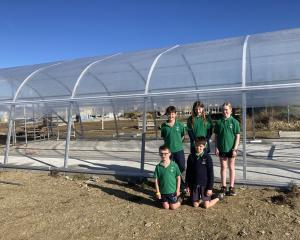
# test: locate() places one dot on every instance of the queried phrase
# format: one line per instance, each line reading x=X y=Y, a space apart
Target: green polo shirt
x=226 y=130
x=200 y=127
x=167 y=177
x=173 y=135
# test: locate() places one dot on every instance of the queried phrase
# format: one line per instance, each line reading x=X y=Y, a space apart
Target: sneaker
x=223 y=190
x=232 y=191
x=221 y=196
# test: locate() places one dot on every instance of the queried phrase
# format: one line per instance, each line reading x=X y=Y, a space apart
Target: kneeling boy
x=200 y=176
x=167 y=180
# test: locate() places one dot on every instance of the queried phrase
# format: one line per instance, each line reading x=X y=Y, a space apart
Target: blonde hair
x=227 y=103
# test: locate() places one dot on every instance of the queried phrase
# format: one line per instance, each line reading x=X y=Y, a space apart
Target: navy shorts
x=226 y=154
x=199 y=192
x=170 y=198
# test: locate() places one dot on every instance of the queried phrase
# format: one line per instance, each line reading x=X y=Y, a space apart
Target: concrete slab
x=283 y=167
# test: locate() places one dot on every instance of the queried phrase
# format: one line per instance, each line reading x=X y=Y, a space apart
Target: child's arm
x=216 y=145
x=178 y=185
x=158 y=195
x=216 y=139
x=236 y=144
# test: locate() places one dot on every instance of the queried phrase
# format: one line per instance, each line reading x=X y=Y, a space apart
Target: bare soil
x=38 y=206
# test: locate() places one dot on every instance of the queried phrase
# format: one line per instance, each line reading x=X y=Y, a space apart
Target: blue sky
x=38 y=31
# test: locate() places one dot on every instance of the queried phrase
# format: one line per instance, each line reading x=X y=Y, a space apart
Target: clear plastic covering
x=210 y=71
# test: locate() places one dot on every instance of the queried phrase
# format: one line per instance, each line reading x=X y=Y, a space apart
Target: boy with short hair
x=167 y=180
x=200 y=176
x=172 y=131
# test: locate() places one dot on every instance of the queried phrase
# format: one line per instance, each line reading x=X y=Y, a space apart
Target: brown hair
x=170 y=109
x=200 y=141
x=163 y=147
x=196 y=105
x=227 y=103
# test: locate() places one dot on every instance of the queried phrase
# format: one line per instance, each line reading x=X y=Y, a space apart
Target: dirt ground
x=38 y=206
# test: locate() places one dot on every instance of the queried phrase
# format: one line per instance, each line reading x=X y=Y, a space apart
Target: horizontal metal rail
x=161 y=94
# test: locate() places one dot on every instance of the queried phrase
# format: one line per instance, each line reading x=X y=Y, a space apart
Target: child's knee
x=196 y=204
x=166 y=205
x=206 y=204
x=174 y=206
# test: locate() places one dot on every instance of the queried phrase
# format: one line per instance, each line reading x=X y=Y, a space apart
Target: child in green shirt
x=199 y=125
x=227 y=137
x=167 y=180
x=173 y=131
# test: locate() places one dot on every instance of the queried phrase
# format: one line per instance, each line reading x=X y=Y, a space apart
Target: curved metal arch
x=85 y=70
x=244 y=61
x=190 y=70
x=29 y=77
x=153 y=66
x=244 y=105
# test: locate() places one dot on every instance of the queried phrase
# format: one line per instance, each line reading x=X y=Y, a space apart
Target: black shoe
x=232 y=191
x=223 y=190
x=221 y=196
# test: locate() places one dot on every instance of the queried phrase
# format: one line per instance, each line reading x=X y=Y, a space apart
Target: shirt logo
x=177 y=129
x=230 y=125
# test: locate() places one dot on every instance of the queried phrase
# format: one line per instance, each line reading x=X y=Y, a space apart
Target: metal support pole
x=68 y=137
x=144 y=136
x=116 y=124
x=33 y=122
x=253 y=125
x=57 y=129
x=14 y=133
x=244 y=105
x=244 y=136
x=102 y=119
x=25 y=126
x=288 y=113
x=10 y=126
x=47 y=119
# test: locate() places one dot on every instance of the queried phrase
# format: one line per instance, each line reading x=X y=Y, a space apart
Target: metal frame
x=145 y=104
x=244 y=106
x=144 y=97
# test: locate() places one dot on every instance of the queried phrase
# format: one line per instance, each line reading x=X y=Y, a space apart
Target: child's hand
x=234 y=153
x=217 y=152
x=178 y=193
x=158 y=195
x=209 y=193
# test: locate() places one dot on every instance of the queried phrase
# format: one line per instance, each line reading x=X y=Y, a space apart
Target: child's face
x=164 y=155
x=199 y=111
x=227 y=111
x=172 y=116
x=199 y=148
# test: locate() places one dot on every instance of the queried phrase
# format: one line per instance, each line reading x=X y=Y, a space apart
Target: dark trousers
x=179 y=158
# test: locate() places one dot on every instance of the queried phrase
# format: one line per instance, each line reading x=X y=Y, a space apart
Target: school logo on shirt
x=172 y=169
x=177 y=129
x=231 y=125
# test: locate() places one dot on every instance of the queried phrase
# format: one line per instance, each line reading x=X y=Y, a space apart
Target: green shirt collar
x=225 y=119
x=200 y=155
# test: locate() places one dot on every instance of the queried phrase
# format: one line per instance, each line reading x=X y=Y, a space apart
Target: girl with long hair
x=199 y=125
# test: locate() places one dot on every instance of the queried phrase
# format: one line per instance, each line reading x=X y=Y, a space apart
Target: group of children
x=199 y=179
